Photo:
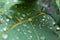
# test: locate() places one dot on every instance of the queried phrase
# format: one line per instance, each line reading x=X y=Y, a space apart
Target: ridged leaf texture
x=29 y=20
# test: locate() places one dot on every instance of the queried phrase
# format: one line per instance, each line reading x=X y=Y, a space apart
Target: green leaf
x=26 y=22
x=58 y=3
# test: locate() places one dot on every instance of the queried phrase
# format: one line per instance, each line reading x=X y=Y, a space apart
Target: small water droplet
x=42 y=38
x=23 y=15
x=18 y=29
x=17 y=38
x=43 y=19
x=58 y=28
x=7 y=20
x=4 y=36
x=14 y=0
x=53 y=23
x=7 y=2
x=25 y=33
x=24 y=25
x=29 y=31
x=51 y=28
x=30 y=19
x=5 y=28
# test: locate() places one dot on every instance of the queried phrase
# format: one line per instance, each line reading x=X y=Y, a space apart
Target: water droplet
x=25 y=33
x=44 y=16
x=30 y=36
x=30 y=19
x=24 y=25
x=18 y=29
x=6 y=23
x=4 y=36
x=17 y=37
x=7 y=20
x=38 y=2
x=14 y=0
x=7 y=2
x=1 y=30
x=58 y=28
x=23 y=15
x=53 y=23
x=43 y=19
x=5 y=28
x=21 y=18
x=29 y=31
x=42 y=38
x=51 y=28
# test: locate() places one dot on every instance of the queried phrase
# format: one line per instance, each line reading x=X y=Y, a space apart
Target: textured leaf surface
x=26 y=22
